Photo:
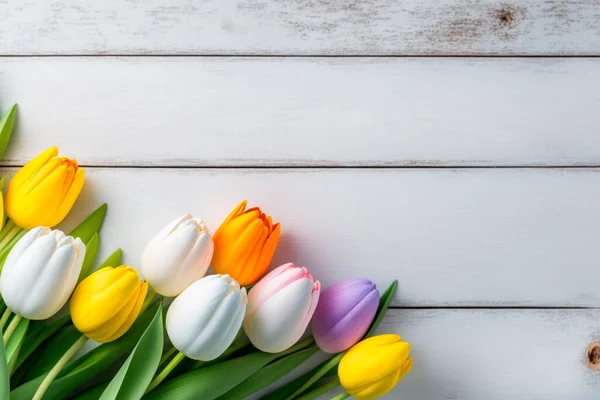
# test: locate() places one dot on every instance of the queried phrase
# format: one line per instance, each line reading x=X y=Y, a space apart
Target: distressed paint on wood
x=299 y=27
x=306 y=112
x=471 y=237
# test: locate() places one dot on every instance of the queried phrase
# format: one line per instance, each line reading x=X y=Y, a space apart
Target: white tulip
x=41 y=272
x=205 y=318
x=177 y=256
x=280 y=307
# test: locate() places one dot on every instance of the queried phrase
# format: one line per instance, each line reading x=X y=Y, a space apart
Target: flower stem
x=165 y=372
x=5 y=317
x=11 y=327
x=318 y=375
x=149 y=299
x=341 y=396
x=13 y=361
x=14 y=231
x=58 y=367
x=166 y=356
x=9 y=225
x=321 y=390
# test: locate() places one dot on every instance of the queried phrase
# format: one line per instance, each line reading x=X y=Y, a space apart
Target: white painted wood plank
x=472 y=237
x=282 y=111
x=327 y=27
x=497 y=355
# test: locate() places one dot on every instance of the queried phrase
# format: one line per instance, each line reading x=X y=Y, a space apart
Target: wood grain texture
x=299 y=27
x=497 y=355
x=299 y=112
x=472 y=237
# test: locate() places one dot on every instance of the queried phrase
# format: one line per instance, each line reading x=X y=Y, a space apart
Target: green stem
x=166 y=356
x=7 y=227
x=321 y=390
x=149 y=299
x=165 y=372
x=341 y=396
x=58 y=367
x=10 y=236
x=318 y=375
x=11 y=327
x=13 y=361
x=5 y=317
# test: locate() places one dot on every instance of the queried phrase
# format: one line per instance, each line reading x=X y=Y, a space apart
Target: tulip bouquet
x=181 y=332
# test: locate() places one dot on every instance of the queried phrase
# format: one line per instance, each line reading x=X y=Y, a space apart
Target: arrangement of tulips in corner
x=229 y=335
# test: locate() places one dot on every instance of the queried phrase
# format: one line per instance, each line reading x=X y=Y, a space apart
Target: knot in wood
x=592 y=357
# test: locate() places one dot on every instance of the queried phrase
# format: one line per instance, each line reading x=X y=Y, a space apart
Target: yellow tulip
x=44 y=190
x=1 y=210
x=244 y=244
x=374 y=366
x=106 y=303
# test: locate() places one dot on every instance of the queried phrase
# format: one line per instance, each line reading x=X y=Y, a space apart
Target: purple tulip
x=344 y=314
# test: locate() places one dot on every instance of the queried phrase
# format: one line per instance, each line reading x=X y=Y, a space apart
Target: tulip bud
x=280 y=307
x=244 y=244
x=106 y=303
x=177 y=256
x=206 y=317
x=44 y=190
x=41 y=272
x=374 y=366
x=344 y=314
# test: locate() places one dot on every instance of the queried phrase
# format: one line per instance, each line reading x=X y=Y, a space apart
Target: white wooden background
x=371 y=130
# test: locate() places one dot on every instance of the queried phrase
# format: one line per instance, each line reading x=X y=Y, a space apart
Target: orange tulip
x=244 y=244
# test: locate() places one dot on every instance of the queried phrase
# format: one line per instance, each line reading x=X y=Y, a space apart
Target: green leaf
x=90 y=225
x=39 y=332
x=4 y=378
x=91 y=249
x=268 y=375
x=53 y=351
x=136 y=373
x=286 y=390
x=113 y=260
x=17 y=337
x=384 y=304
x=211 y=382
x=6 y=126
x=93 y=393
x=78 y=372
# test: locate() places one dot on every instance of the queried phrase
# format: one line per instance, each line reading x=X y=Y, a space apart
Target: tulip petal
x=205 y=318
x=281 y=320
x=111 y=289
x=54 y=284
x=54 y=166
x=245 y=275
x=126 y=317
x=162 y=259
x=23 y=244
x=345 y=313
x=267 y=253
x=237 y=254
x=69 y=197
x=275 y=281
x=196 y=264
x=32 y=167
x=238 y=210
x=383 y=357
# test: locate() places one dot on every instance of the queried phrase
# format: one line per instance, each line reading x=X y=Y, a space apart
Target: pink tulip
x=280 y=307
